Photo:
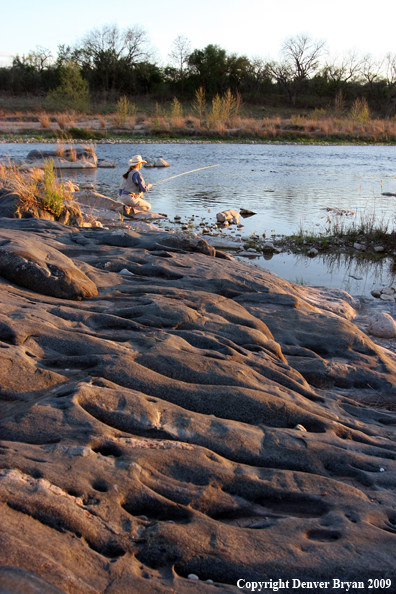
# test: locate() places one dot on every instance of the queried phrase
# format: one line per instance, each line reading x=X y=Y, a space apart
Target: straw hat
x=136 y=159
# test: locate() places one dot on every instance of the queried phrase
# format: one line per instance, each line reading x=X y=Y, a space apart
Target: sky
x=255 y=28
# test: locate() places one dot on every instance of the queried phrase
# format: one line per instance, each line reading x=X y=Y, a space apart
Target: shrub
x=360 y=110
x=125 y=111
x=72 y=92
x=52 y=199
x=199 y=104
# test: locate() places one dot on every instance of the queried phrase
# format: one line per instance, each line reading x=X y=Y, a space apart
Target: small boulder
x=161 y=163
x=312 y=252
x=245 y=212
x=381 y=324
x=231 y=216
x=268 y=247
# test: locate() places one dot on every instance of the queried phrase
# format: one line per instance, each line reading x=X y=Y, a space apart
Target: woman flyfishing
x=132 y=187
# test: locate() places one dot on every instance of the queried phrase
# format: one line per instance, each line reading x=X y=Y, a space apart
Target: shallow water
x=290 y=187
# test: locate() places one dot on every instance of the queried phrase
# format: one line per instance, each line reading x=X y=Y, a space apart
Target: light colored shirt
x=134 y=183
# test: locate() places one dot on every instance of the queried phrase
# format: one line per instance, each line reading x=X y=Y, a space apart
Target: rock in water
x=231 y=216
x=161 y=163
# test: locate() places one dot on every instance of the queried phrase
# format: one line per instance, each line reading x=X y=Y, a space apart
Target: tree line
x=110 y=62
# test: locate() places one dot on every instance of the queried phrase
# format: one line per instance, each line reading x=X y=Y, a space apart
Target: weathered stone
x=91 y=198
x=312 y=252
x=386 y=297
x=161 y=163
x=78 y=153
x=246 y=212
x=41 y=268
x=147 y=434
x=231 y=216
x=381 y=324
x=268 y=246
x=14 y=580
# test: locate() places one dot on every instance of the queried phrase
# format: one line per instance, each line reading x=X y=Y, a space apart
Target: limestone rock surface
x=32 y=264
x=155 y=429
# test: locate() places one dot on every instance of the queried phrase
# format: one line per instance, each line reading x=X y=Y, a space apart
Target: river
x=290 y=187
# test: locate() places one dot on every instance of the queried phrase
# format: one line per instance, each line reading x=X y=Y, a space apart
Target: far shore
x=250 y=127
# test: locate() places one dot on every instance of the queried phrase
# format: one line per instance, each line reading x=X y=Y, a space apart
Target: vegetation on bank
x=35 y=188
x=224 y=118
x=344 y=232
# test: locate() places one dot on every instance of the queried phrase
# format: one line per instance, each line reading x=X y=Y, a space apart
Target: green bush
x=73 y=91
x=52 y=199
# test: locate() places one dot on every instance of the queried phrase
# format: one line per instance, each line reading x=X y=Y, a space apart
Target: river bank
x=310 y=128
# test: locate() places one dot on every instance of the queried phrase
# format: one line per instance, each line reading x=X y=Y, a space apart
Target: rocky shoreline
x=176 y=421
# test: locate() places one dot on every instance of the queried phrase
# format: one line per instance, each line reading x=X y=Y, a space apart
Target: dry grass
x=62 y=119
x=25 y=185
x=226 y=117
x=35 y=188
x=44 y=120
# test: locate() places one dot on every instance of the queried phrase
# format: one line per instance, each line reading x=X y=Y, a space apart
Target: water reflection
x=356 y=274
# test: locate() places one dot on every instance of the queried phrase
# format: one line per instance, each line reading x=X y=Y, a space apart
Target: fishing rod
x=185 y=173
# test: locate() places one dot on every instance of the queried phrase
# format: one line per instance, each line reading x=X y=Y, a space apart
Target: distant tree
x=380 y=78
x=72 y=92
x=40 y=59
x=210 y=68
x=238 y=70
x=390 y=74
x=108 y=55
x=300 y=61
x=34 y=73
x=179 y=55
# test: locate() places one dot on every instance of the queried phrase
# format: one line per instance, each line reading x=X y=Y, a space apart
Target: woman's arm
x=137 y=178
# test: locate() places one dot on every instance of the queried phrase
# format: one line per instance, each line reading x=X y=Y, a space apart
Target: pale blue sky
x=251 y=27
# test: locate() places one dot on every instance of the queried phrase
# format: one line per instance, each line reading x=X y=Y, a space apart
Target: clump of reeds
x=62 y=120
x=360 y=110
x=199 y=104
x=44 y=120
x=126 y=113
x=224 y=110
x=176 y=114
